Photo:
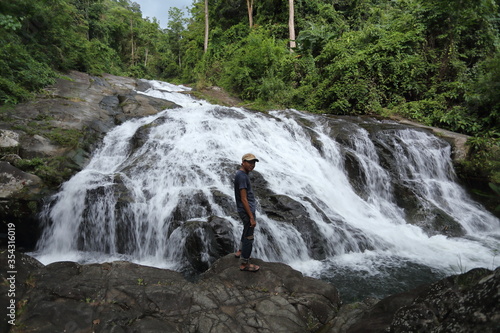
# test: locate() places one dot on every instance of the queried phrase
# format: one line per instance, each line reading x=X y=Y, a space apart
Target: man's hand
x=252 y=222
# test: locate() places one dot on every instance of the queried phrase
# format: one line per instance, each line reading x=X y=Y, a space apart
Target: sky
x=159 y=8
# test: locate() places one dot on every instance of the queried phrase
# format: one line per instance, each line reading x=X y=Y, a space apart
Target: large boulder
x=468 y=302
x=20 y=195
x=463 y=303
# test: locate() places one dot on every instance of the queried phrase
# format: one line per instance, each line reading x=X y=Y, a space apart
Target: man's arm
x=246 y=205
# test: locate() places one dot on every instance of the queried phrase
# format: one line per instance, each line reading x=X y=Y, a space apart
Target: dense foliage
x=41 y=37
x=434 y=61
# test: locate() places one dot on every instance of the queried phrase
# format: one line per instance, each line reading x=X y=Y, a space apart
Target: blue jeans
x=246 y=237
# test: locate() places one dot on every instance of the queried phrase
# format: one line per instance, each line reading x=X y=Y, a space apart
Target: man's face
x=248 y=165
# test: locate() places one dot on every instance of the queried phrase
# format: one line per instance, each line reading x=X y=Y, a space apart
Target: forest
x=432 y=61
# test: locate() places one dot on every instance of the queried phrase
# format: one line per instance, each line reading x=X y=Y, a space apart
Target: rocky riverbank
x=125 y=297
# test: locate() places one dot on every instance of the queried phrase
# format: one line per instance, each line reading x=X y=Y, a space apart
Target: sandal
x=237 y=254
x=250 y=268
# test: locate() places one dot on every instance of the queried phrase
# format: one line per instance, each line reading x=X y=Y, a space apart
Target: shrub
x=21 y=74
x=258 y=56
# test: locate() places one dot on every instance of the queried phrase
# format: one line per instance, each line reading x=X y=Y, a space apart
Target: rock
x=426 y=214
x=20 y=195
x=40 y=146
x=458 y=141
x=285 y=209
x=125 y=297
x=75 y=113
x=9 y=142
x=350 y=314
x=61 y=128
x=15 y=183
x=217 y=95
x=468 y=302
x=223 y=234
x=11 y=158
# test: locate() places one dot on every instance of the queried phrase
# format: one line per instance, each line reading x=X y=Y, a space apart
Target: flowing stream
x=162 y=162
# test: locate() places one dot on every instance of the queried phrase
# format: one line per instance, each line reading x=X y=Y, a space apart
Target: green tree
x=255 y=62
x=175 y=30
x=483 y=97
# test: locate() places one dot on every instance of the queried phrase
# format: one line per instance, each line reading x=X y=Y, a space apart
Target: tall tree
x=175 y=30
x=205 y=44
x=250 y=12
x=291 y=25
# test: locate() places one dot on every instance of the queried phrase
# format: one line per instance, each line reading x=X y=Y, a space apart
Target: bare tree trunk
x=291 y=25
x=205 y=46
x=132 y=42
x=87 y=18
x=146 y=57
x=250 y=12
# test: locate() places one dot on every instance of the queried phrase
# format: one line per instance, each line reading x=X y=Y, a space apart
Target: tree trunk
x=250 y=12
x=132 y=55
x=205 y=46
x=291 y=25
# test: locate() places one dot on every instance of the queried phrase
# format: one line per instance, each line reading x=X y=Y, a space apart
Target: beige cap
x=249 y=157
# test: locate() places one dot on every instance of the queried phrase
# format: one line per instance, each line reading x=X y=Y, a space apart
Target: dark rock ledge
x=126 y=297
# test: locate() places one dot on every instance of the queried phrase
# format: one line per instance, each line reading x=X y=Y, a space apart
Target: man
x=245 y=202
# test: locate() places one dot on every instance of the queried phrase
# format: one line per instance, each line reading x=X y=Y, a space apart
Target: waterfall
x=157 y=182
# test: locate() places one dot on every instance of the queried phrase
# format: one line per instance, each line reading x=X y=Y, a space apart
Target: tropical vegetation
x=436 y=62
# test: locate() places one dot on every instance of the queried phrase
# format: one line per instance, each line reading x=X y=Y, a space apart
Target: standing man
x=245 y=202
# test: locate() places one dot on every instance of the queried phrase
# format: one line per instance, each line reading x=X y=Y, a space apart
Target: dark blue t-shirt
x=241 y=180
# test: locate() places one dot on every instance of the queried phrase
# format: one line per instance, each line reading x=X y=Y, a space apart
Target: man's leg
x=246 y=249
x=247 y=244
x=237 y=254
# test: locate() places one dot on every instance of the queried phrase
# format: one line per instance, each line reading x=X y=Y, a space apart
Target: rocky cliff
x=47 y=140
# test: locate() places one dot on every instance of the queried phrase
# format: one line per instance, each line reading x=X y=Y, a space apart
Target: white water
x=185 y=155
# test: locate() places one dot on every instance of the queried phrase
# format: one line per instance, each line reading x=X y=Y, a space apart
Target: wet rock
x=200 y=245
x=122 y=296
x=126 y=297
x=204 y=242
x=468 y=302
x=223 y=234
x=140 y=136
x=285 y=209
x=425 y=214
x=225 y=202
x=460 y=150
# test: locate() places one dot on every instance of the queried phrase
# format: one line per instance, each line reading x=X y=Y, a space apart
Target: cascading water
x=158 y=181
